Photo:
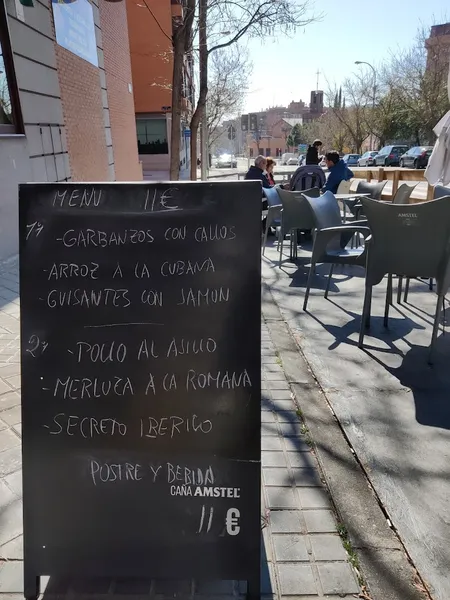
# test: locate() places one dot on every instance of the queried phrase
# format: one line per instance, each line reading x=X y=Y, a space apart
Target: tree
x=181 y=44
x=297 y=136
x=349 y=105
x=418 y=80
x=328 y=129
x=251 y=18
x=229 y=75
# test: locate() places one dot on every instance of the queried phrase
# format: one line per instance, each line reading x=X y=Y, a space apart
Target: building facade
x=267 y=131
x=438 y=47
x=66 y=99
x=150 y=29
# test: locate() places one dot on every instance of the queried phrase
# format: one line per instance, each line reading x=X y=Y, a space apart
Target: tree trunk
x=177 y=83
x=199 y=112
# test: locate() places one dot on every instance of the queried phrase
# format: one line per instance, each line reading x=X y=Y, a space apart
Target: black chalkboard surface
x=140 y=316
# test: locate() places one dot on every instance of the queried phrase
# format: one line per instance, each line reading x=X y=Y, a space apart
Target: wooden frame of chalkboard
x=140 y=353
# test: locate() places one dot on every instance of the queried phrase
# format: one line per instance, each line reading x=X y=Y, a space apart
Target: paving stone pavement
x=302 y=556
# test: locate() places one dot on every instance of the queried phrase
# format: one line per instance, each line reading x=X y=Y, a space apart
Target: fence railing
x=397 y=176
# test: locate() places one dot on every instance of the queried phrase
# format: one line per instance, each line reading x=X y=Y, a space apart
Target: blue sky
x=285 y=69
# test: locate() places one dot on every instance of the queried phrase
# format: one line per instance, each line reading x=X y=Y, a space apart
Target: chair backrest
x=410 y=240
x=307 y=177
x=325 y=210
x=374 y=189
x=271 y=194
x=296 y=211
x=440 y=191
x=403 y=194
x=344 y=187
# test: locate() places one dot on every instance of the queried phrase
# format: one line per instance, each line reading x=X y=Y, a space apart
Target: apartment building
x=150 y=29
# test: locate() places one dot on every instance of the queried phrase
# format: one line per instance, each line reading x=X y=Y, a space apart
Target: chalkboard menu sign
x=140 y=316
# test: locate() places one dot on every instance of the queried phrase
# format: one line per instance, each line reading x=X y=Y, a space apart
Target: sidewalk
x=390 y=404
x=303 y=556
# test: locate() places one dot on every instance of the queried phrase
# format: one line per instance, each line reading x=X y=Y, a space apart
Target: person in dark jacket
x=312 y=155
x=338 y=172
x=257 y=171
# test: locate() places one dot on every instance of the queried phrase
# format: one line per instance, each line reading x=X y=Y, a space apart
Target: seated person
x=338 y=172
x=257 y=171
x=270 y=164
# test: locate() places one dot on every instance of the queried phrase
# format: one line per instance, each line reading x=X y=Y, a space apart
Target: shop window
x=152 y=136
x=10 y=114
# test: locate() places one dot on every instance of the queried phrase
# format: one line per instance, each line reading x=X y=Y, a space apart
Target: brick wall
x=83 y=116
x=117 y=64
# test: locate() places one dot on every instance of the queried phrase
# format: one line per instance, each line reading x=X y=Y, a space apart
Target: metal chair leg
x=265 y=237
x=281 y=247
x=399 y=289
x=437 y=316
x=405 y=295
x=308 y=284
x=388 y=300
x=365 y=317
x=330 y=275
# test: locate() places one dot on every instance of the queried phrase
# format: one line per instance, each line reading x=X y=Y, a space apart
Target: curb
x=386 y=567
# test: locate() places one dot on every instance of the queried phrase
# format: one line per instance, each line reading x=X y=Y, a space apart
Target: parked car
x=351 y=159
x=416 y=157
x=367 y=159
x=226 y=160
x=286 y=156
x=293 y=160
x=389 y=156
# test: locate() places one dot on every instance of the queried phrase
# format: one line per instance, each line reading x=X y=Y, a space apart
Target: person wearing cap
x=312 y=155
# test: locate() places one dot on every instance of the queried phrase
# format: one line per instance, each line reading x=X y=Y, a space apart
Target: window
x=152 y=136
x=10 y=114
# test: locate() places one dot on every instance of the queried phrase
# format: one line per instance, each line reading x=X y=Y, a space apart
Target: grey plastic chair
x=403 y=194
x=295 y=215
x=440 y=191
x=374 y=189
x=331 y=237
x=411 y=242
x=274 y=211
x=364 y=187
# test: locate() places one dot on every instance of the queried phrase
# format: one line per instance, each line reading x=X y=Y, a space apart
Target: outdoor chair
x=374 y=189
x=403 y=194
x=295 y=215
x=364 y=187
x=273 y=217
x=331 y=237
x=344 y=187
x=440 y=191
x=409 y=241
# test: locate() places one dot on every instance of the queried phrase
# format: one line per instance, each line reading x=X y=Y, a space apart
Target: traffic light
x=244 y=122
x=253 y=117
x=231 y=132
